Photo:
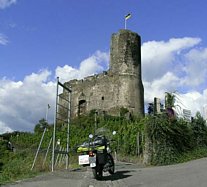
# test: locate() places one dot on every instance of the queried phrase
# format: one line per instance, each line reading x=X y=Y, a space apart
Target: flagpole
x=46 y=115
x=126 y=18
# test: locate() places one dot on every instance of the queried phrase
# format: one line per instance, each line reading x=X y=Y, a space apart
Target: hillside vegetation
x=163 y=139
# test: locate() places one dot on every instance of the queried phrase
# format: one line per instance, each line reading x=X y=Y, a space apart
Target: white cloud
x=158 y=87
x=196 y=67
x=176 y=65
x=23 y=103
x=6 y=3
x=3 y=39
x=158 y=57
x=94 y=64
x=4 y=128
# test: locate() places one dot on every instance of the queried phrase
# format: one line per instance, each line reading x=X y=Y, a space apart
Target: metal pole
x=95 y=122
x=55 y=120
x=125 y=23
x=142 y=142
x=59 y=154
x=46 y=112
x=47 y=151
x=64 y=155
x=138 y=143
x=68 y=130
x=38 y=148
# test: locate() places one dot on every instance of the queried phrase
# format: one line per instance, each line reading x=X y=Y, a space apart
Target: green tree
x=200 y=130
x=169 y=99
x=41 y=126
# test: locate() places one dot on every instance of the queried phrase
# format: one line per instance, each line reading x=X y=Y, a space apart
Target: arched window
x=81 y=107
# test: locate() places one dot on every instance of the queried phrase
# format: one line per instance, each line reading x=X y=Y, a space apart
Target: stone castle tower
x=119 y=87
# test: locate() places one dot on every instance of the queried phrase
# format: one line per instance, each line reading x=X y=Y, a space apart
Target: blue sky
x=40 y=40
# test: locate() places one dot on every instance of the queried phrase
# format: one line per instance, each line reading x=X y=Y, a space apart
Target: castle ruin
x=119 y=87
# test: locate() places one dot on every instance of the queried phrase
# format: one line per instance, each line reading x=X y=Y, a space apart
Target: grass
x=17 y=168
x=198 y=153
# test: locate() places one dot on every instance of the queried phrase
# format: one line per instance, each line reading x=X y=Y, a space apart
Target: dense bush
x=4 y=153
x=199 y=129
x=173 y=138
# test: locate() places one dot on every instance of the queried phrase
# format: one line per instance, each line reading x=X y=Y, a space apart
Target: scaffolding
x=60 y=118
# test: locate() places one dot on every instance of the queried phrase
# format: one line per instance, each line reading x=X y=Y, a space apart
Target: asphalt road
x=190 y=174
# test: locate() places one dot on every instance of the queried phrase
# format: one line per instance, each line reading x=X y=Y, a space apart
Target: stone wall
x=120 y=86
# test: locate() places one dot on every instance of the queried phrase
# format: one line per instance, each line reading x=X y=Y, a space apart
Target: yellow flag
x=127 y=16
